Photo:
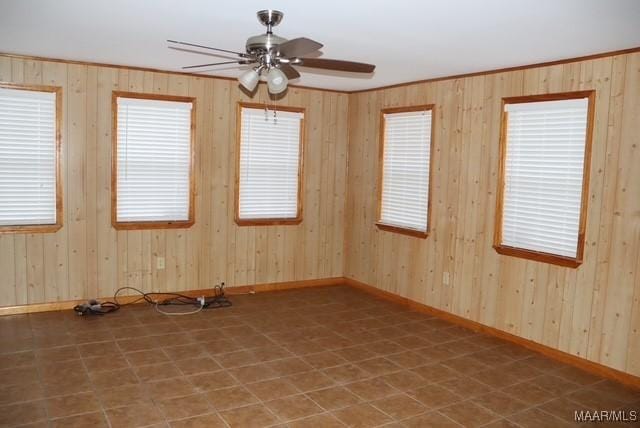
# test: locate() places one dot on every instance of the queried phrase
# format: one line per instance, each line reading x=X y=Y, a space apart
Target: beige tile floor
x=323 y=357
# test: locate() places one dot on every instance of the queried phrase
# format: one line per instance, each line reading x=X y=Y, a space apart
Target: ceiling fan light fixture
x=249 y=79
x=277 y=81
x=275 y=57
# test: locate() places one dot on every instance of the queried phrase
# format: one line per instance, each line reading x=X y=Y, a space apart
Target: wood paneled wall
x=88 y=258
x=592 y=311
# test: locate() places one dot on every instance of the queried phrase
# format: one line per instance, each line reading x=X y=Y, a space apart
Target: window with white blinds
x=28 y=158
x=406 y=161
x=543 y=175
x=153 y=161
x=269 y=165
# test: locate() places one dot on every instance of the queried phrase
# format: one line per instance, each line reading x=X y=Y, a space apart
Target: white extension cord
x=200 y=299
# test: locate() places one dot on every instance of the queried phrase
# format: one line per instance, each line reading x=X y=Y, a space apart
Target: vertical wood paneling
x=592 y=311
x=223 y=131
x=56 y=256
x=91 y=159
x=88 y=258
x=626 y=225
x=597 y=74
x=77 y=193
x=107 y=245
x=606 y=245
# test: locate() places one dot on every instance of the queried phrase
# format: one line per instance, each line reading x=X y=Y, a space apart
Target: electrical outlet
x=160 y=263
x=445 y=278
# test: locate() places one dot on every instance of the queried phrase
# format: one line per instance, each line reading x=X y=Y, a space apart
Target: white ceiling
x=407 y=39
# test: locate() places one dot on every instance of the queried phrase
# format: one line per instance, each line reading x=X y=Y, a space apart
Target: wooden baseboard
x=245 y=289
x=289 y=285
x=555 y=354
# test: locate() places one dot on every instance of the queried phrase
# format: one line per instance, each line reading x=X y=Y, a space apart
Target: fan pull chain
x=275 y=112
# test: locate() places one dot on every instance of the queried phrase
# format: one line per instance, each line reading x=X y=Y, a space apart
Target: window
x=30 y=184
x=544 y=168
x=152 y=161
x=269 y=165
x=405 y=157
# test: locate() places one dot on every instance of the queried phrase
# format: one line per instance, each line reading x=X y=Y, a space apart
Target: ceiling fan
x=275 y=56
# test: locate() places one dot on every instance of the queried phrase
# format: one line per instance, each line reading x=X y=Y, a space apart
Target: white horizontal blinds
x=269 y=164
x=27 y=157
x=154 y=159
x=405 y=169
x=543 y=175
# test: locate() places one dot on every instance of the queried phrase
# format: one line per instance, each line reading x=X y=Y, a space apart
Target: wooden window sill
x=538 y=256
x=402 y=230
x=269 y=222
x=153 y=225
x=31 y=228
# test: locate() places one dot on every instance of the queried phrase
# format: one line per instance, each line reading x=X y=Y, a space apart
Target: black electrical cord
x=218 y=300
x=93 y=307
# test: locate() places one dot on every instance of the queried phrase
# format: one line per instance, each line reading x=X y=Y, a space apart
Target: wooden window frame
x=398 y=229
x=140 y=225
x=270 y=221
x=44 y=228
x=571 y=262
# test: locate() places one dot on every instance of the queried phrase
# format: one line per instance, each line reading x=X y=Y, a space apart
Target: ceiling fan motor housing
x=264 y=43
x=265 y=46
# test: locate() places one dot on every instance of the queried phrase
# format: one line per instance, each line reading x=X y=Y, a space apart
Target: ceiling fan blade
x=217 y=63
x=298 y=47
x=336 y=64
x=201 y=52
x=243 y=55
x=289 y=71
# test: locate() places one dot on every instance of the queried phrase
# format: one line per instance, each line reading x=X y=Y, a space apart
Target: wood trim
x=431 y=157
x=379 y=88
x=151 y=70
x=269 y=221
x=231 y=291
x=537 y=256
x=499 y=219
x=504 y=69
x=287 y=285
x=114 y=163
x=497 y=232
x=407 y=109
x=147 y=225
x=402 y=230
x=381 y=142
x=556 y=96
x=586 y=174
x=45 y=228
x=150 y=96
x=553 y=353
